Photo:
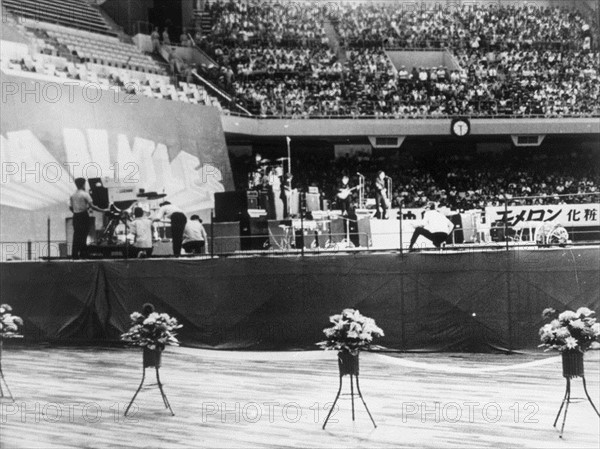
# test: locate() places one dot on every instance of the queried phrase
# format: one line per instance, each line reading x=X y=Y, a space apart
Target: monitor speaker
x=233 y=206
x=313 y=202
x=458 y=236
x=225 y=238
x=254 y=234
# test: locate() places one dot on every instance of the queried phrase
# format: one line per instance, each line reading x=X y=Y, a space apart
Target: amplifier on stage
x=313 y=202
x=254 y=234
x=252 y=197
x=233 y=206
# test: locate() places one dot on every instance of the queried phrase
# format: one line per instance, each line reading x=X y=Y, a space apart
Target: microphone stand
x=361 y=190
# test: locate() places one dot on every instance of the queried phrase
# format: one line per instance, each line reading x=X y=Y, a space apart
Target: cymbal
x=281 y=159
x=154 y=195
x=264 y=162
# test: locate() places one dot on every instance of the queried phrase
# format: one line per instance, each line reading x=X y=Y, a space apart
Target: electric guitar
x=345 y=193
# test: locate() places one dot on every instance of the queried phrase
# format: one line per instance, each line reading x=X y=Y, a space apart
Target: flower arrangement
x=9 y=324
x=350 y=332
x=569 y=331
x=152 y=330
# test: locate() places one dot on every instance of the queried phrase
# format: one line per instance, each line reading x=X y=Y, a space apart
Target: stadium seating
x=59 y=53
x=515 y=60
x=104 y=50
x=286 y=59
x=72 y=13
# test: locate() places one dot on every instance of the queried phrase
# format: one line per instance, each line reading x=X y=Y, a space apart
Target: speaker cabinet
x=233 y=206
x=364 y=232
x=252 y=199
x=229 y=206
x=458 y=236
x=254 y=234
x=225 y=238
x=313 y=202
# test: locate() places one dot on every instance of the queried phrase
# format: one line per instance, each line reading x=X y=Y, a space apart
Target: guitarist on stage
x=344 y=195
x=381 y=199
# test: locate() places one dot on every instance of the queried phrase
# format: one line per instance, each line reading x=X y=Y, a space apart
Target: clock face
x=460 y=128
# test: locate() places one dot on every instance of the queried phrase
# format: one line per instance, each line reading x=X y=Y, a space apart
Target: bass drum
x=548 y=234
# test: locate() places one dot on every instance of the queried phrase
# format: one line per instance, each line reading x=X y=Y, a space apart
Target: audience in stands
x=284 y=59
x=515 y=60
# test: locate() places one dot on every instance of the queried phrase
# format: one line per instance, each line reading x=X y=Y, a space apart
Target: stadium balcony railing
x=330 y=116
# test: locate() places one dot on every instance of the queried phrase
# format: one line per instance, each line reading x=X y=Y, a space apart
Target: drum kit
x=121 y=213
x=266 y=173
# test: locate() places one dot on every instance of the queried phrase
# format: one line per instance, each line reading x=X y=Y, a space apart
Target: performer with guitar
x=344 y=195
x=381 y=198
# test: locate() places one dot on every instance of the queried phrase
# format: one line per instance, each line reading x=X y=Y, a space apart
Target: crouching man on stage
x=436 y=227
x=141 y=228
x=194 y=236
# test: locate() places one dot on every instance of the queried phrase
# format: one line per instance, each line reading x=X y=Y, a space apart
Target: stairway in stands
x=334 y=41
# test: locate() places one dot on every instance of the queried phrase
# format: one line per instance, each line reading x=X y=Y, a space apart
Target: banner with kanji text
x=568 y=215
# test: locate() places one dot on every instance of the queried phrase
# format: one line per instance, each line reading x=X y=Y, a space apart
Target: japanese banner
x=566 y=214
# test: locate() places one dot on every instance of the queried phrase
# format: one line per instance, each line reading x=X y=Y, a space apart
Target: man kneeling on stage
x=436 y=227
x=141 y=228
x=194 y=236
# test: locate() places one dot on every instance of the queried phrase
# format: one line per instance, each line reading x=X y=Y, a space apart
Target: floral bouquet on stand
x=351 y=332
x=9 y=328
x=9 y=324
x=153 y=332
x=571 y=333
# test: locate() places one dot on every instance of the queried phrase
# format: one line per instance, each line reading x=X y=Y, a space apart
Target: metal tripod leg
x=562 y=428
x=334 y=402
x=352 y=395
x=136 y=393
x=164 y=396
x=562 y=404
x=588 y=396
x=364 y=403
x=2 y=379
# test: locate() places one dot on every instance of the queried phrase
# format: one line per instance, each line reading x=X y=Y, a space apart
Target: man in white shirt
x=141 y=228
x=178 y=219
x=436 y=227
x=194 y=236
x=79 y=203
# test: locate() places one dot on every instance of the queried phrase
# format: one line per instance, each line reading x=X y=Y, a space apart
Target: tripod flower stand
x=572 y=368
x=152 y=358
x=348 y=366
x=3 y=380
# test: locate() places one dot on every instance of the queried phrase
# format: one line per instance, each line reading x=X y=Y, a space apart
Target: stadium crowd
x=469 y=26
x=516 y=60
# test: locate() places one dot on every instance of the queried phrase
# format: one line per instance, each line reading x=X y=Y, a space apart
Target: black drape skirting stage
x=462 y=301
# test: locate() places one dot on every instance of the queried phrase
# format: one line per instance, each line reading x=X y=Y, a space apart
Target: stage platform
x=75 y=397
x=438 y=301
